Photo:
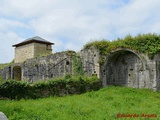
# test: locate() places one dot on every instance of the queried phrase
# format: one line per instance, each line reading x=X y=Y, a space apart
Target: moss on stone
x=144 y=43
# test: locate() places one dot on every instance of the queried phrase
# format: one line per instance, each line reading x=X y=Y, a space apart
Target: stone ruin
x=122 y=67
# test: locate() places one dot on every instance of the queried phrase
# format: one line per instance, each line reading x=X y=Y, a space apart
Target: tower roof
x=35 y=39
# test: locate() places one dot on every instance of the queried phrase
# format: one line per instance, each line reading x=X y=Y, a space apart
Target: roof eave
x=32 y=41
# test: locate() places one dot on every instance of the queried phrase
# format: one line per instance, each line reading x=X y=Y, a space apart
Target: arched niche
x=17 y=73
x=123 y=68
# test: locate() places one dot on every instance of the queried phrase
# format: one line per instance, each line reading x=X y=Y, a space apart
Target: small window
x=51 y=75
x=67 y=62
x=48 y=47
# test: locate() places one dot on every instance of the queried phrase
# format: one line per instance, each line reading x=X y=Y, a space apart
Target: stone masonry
x=41 y=68
x=30 y=48
x=122 y=67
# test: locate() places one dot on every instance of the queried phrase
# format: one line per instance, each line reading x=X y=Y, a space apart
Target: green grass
x=0 y=79
x=104 y=104
x=2 y=66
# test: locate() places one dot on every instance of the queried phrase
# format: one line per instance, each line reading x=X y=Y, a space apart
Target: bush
x=14 y=90
x=59 y=87
x=0 y=79
x=144 y=43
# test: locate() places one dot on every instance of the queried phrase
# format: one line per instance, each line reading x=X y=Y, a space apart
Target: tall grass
x=104 y=104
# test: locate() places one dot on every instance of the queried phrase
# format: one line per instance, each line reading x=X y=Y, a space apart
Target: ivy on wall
x=144 y=43
x=77 y=66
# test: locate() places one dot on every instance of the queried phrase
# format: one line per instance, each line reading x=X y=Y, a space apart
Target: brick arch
x=17 y=73
x=123 y=67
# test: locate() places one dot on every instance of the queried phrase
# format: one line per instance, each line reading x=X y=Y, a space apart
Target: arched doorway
x=17 y=73
x=123 y=68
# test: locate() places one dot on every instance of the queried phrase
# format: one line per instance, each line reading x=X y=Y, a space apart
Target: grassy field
x=106 y=104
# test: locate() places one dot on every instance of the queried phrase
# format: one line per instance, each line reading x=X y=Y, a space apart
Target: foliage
x=145 y=43
x=104 y=104
x=14 y=90
x=77 y=66
x=58 y=87
x=0 y=79
x=2 y=66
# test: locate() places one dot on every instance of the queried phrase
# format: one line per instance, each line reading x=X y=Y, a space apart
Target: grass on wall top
x=2 y=66
x=144 y=43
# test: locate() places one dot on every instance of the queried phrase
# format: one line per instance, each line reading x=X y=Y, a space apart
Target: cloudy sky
x=72 y=23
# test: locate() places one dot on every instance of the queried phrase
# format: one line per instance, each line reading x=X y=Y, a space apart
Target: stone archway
x=17 y=73
x=123 y=68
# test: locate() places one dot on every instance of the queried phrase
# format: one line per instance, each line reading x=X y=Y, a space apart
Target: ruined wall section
x=157 y=64
x=6 y=73
x=1 y=70
x=90 y=61
x=127 y=68
x=49 y=67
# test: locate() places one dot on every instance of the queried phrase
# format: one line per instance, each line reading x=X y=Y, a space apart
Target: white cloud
x=6 y=50
x=72 y=23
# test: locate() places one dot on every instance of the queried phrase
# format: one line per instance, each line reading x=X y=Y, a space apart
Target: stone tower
x=31 y=48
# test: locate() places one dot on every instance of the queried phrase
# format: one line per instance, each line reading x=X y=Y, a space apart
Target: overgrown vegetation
x=104 y=104
x=6 y=64
x=58 y=87
x=77 y=66
x=145 y=43
x=0 y=79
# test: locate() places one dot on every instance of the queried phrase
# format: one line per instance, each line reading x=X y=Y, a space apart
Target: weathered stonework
x=24 y=52
x=127 y=68
x=90 y=61
x=123 y=67
x=31 y=48
x=41 y=68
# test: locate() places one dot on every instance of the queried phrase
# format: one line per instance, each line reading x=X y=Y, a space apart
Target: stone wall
x=42 y=49
x=43 y=68
x=24 y=52
x=47 y=67
x=125 y=67
x=90 y=61
x=31 y=50
x=6 y=73
x=1 y=70
x=157 y=63
x=122 y=67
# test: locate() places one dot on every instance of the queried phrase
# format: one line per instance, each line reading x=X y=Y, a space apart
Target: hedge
x=12 y=89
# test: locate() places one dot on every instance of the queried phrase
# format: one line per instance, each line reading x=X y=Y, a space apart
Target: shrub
x=14 y=90
x=0 y=79
x=59 y=87
x=144 y=43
